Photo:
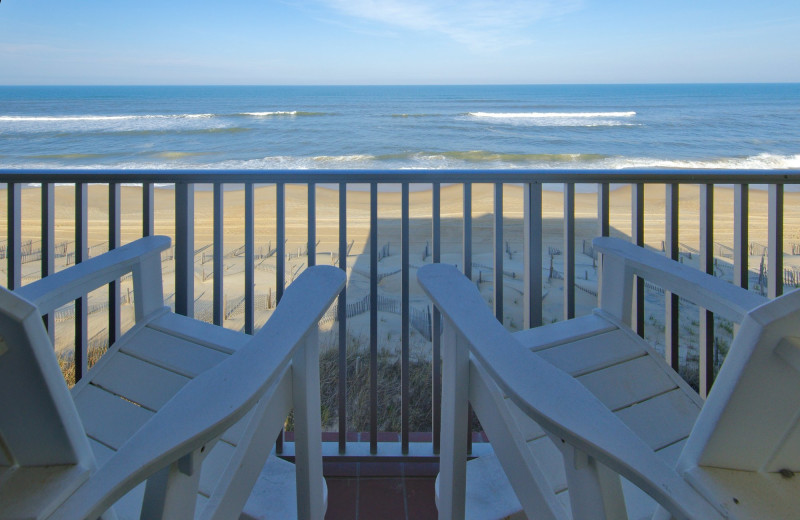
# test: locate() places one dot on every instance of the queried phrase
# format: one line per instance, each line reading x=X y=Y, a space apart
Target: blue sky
x=398 y=41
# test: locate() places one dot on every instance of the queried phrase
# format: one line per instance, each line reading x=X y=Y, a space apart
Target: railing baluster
x=217 y=304
x=113 y=243
x=148 y=210
x=14 y=251
x=637 y=233
x=405 y=326
x=280 y=232
x=775 y=241
x=532 y=255
x=467 y=260
x=498 y=251
x=249 y=263
x=671 y=243
x=706 y=341
x=436 y=339
x=81 y=254
x=48 y=247
x=569 y=251
x=184 y=249
x=603 y=212
x=467 y=231
x=741 y=257
x=373 y=318
x=342 y=317
x=280 y=262
x=312 y=224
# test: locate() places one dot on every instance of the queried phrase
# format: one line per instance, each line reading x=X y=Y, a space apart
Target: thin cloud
x=480 y=24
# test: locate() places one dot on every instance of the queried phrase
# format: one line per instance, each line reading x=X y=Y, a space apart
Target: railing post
x=218 y=290
x=113 y=243
x=498 y=252
x=148 y=213
x=342 y=318
x=280 y=232
x=775 y=241
x=741 y=257
x=373 y=318
x=48 y=247
x=404 y=320
x=467 y=231
x=637 y=233
x=603 y=212
x=532 y=255
x=569 y=251
x=81 y=304
x=249 y=263
x=671 y=250
x=184 y=249
x=312 y=224
x=706 y=343
x=436 y=339
x=14 y=250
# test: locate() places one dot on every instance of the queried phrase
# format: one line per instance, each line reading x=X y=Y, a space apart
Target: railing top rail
x=556 y=176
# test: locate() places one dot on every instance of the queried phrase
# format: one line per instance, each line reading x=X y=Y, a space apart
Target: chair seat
x=139 y=374
x=627 y=375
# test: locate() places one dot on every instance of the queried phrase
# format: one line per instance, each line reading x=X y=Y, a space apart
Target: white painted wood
x=201 y=333
x=55 y=290
x=709 y=292
x=594 y=353
x=123 y=376
x=190 y=416
x=749 y=423
x=555 y=400
x=308 y=428
x=524 y=472
x=455 y=395
x=184 y=357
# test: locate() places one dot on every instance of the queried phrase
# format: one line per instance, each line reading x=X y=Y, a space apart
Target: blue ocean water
x=574 y=126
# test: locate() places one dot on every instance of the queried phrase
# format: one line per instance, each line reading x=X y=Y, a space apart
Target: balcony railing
x=506 y=213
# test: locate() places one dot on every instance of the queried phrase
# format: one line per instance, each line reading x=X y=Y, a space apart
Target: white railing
x=733 y=254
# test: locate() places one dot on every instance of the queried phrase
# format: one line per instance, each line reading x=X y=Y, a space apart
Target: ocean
x=404 y=127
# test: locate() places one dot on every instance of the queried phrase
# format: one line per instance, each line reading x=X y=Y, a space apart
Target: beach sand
x=389 y=239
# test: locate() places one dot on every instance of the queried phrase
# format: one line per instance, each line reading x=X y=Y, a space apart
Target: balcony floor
x=380 y=490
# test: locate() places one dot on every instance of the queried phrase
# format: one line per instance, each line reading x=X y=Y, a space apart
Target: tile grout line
x=405 y=493
x=358 y=488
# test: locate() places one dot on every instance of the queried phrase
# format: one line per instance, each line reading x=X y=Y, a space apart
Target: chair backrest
x=750 y=419
x=39 y=425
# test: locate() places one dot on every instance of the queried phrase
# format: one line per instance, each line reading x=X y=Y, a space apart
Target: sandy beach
x=327 y=214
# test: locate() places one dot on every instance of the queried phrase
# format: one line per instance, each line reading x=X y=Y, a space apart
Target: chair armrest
x=213 y=401
x=142 y=257
x=556 y=401
x=623 y=260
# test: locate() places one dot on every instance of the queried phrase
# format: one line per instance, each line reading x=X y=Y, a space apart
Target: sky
x=374 y=42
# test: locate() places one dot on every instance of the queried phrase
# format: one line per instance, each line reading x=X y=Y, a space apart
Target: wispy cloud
x=480 y=24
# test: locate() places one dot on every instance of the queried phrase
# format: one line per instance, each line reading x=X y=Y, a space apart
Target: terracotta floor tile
x=421 y=498
x=342 y=498
x=381 y=499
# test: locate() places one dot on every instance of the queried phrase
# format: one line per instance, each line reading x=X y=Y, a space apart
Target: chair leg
x=453 y=455
x=590 y=484
x=308 y=429
x=171 y=493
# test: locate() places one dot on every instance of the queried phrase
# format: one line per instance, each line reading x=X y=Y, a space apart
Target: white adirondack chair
x=570 y=407
x=191 y=408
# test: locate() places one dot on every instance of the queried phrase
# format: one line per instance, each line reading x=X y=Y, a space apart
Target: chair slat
x=184 y=357
x=108 y=418
x=139 y=381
